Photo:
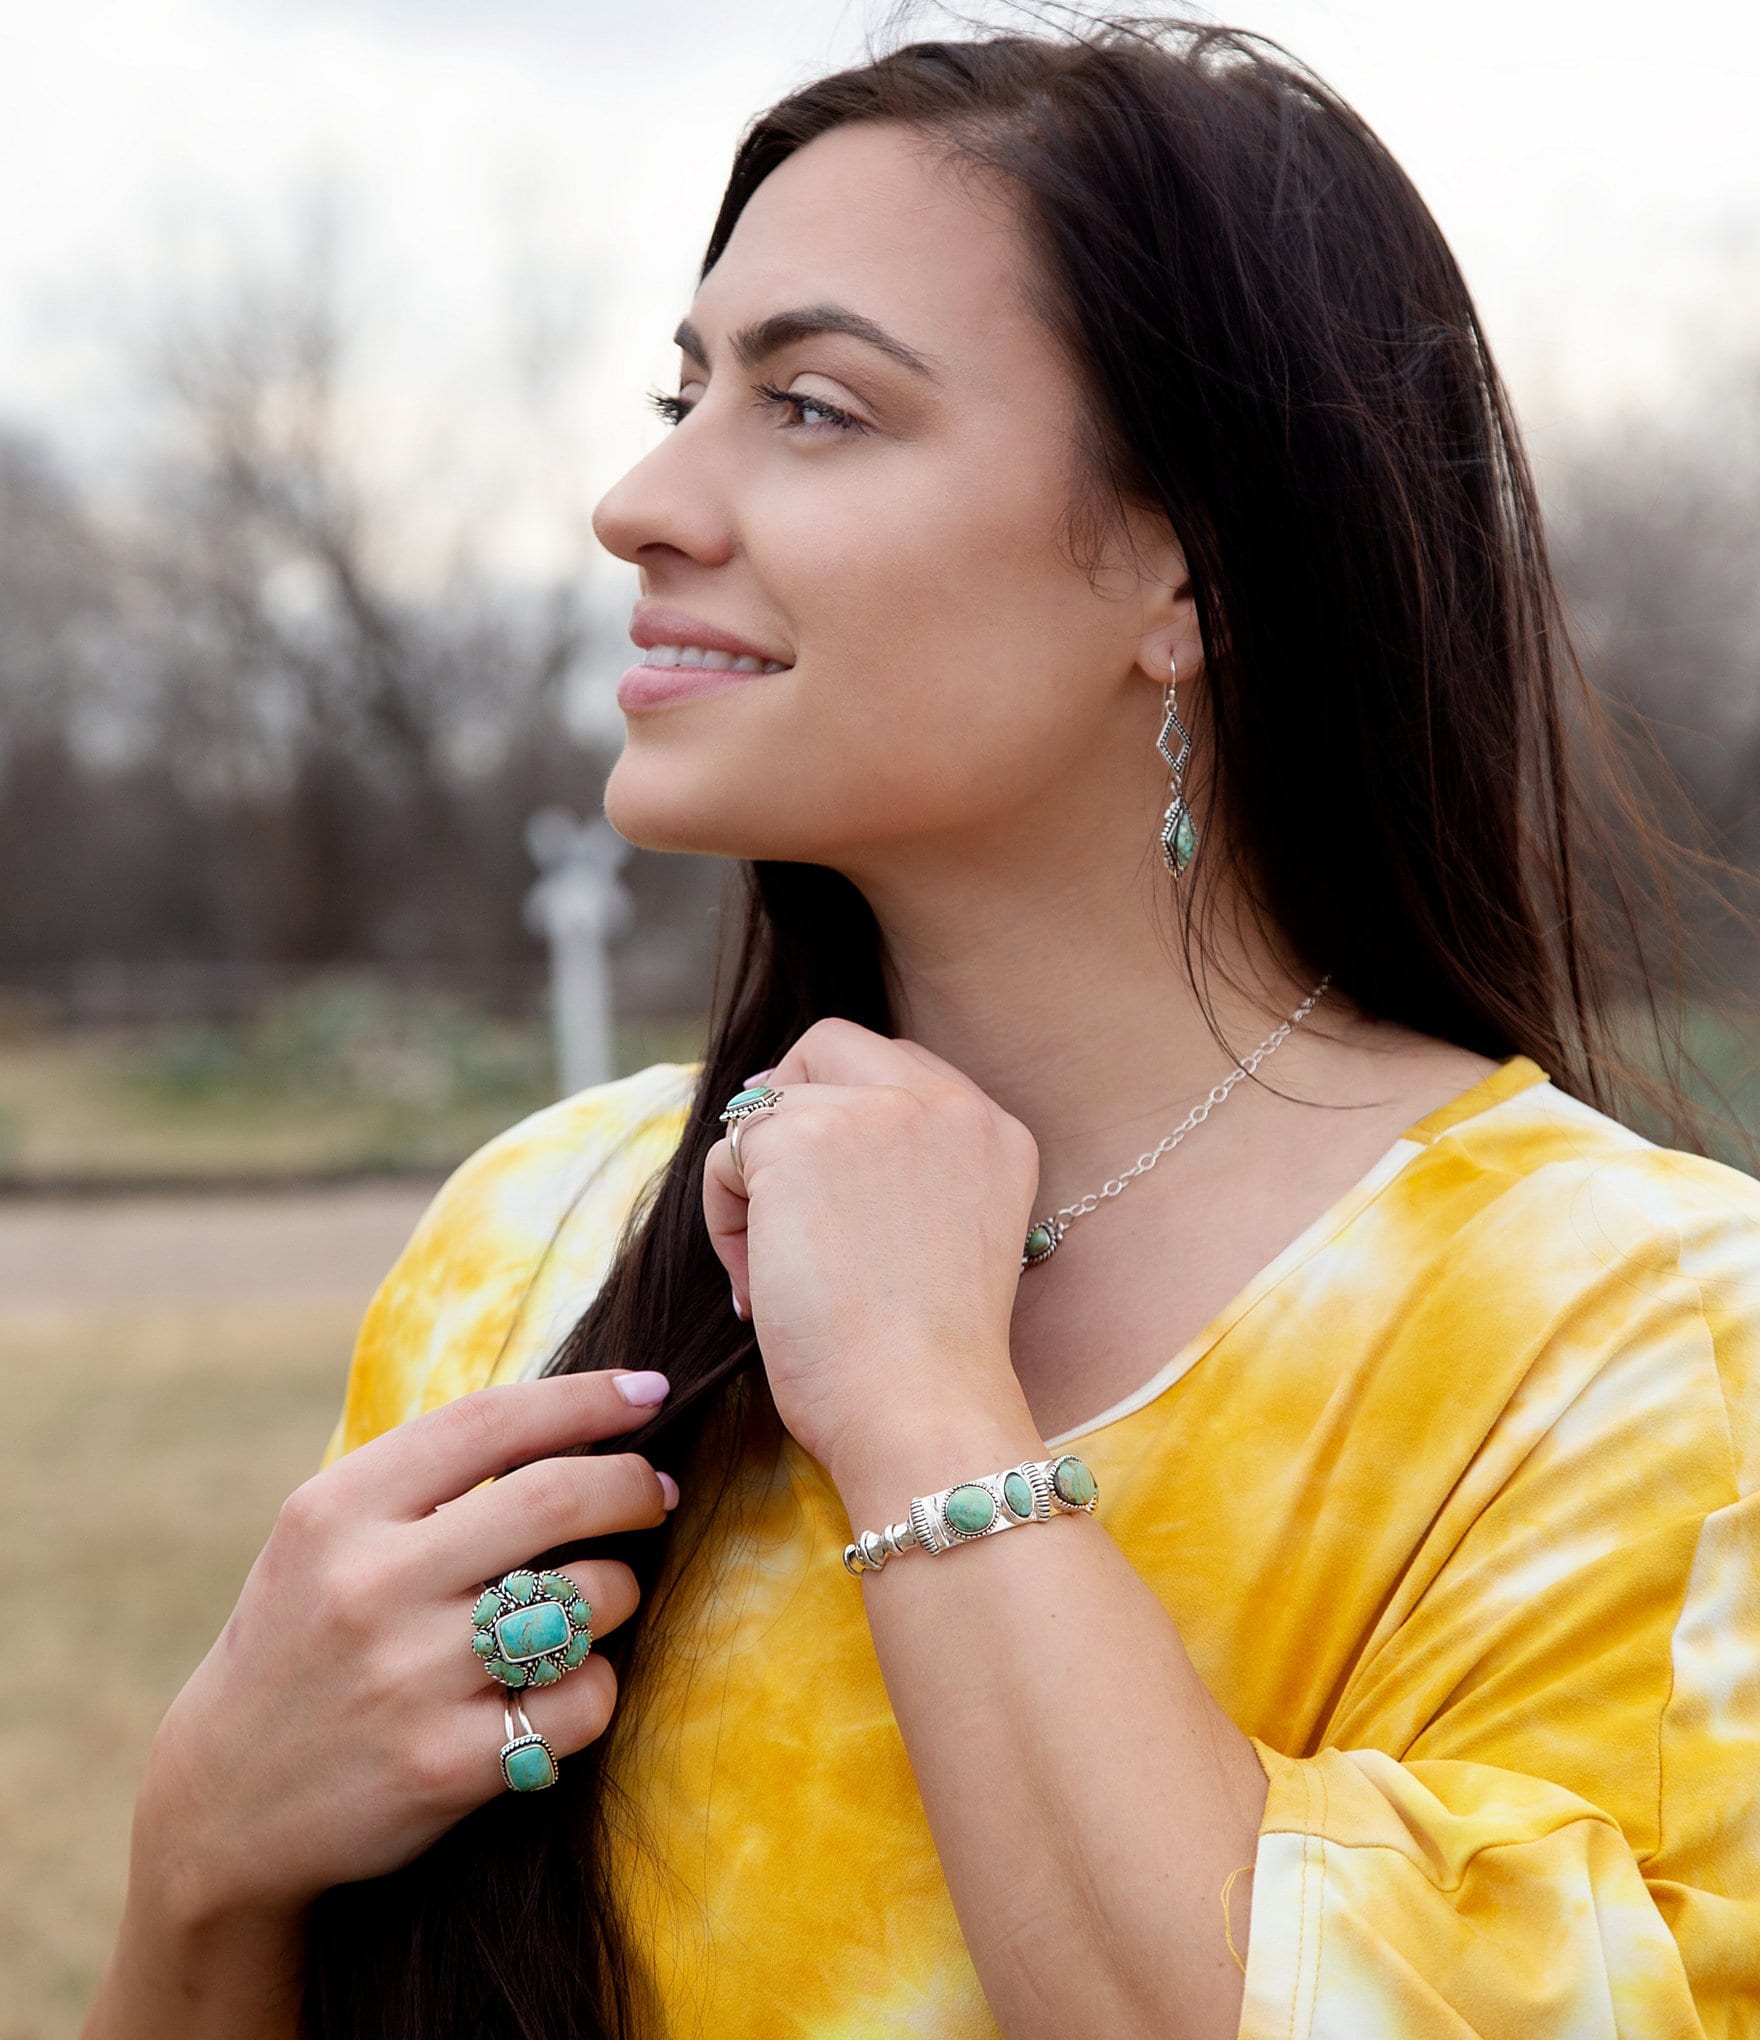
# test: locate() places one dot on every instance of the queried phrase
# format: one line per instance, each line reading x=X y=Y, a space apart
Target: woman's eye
x=827 y=417
x=800 y=404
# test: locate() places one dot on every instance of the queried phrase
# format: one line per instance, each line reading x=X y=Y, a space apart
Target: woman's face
x=955 y=685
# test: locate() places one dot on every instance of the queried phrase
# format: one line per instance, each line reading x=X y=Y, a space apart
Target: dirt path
x=309 y=1247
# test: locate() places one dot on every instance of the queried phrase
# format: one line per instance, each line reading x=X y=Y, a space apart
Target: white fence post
x=580 y=907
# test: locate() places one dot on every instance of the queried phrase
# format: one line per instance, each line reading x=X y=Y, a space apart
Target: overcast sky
x=1596 y=167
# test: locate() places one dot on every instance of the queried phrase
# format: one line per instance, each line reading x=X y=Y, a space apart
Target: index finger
x=937 y=1065
x=409 y=1471
x=839 y=1051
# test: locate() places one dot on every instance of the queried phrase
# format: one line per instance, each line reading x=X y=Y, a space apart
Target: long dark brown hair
x=1273 y=347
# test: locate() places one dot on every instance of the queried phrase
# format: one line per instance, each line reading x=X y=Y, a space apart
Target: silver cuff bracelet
x=1029 y=1493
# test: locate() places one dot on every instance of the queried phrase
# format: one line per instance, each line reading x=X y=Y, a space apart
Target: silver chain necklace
x=1043 y=1237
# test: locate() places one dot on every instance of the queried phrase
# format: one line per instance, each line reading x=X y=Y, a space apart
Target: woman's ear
x=1172 y=645
x=1175 y=652
x=1171 y=642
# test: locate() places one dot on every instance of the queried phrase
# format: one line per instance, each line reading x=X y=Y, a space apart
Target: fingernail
x=644 y=1390
x=758 y=1076
x=669 y=1490
x=738 y=1307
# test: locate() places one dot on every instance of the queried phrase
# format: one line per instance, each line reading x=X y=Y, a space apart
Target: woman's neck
x=1073 y=1012
x=1060 y=996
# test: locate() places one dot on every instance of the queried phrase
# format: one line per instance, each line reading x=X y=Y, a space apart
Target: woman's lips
x=644 y=686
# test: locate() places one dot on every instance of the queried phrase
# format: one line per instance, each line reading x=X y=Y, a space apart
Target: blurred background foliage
x=342 y=1074
x=273 y=717
x=274 y=714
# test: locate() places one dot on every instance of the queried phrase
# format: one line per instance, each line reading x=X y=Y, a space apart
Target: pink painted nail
x=644 y=1390
x=758 y=1076
x=669 y=1490
x=739 y=1309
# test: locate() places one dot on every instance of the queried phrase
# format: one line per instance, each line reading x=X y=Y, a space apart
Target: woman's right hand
x=341 y=1723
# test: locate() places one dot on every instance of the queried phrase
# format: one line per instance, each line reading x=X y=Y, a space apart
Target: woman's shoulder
x=1518 y=1206
x=1558 y=1182
x=610 y=1112
x=547 y=1195
x=576 y=1160
x=1571 y=1266
x=533 y=1170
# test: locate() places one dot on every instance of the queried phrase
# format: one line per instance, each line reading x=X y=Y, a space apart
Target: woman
x=1148 y=667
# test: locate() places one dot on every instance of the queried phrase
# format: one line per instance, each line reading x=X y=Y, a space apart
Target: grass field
x=171 y=1365
x=169 y=1368
x=343 y=1077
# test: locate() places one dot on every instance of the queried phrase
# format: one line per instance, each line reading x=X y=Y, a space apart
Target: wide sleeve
x=510 y=1249
x=439 y=1319
x=1536 y=1811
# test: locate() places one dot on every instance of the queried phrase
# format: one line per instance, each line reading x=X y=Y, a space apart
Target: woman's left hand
x=876 y=1237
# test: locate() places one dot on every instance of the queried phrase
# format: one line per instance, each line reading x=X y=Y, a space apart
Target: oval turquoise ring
x=755 y=1098
x=744 y=1105
x=531 y=1628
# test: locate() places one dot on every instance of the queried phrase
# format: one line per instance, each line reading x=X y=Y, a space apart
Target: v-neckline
x=1515 y=1073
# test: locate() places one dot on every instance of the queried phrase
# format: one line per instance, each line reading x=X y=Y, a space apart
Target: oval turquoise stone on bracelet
x=971 y=1509
x=1073 y=1482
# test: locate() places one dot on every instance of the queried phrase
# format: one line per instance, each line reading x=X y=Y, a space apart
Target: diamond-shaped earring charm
x=1179 y=839
x=1179 y=835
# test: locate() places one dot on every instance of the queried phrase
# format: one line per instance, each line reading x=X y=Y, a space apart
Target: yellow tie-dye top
x=1454 y=1506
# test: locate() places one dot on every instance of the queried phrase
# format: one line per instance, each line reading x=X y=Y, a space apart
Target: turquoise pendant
x=1040 y=1244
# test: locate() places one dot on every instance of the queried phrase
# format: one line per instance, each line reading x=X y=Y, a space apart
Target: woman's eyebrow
x=754 y=343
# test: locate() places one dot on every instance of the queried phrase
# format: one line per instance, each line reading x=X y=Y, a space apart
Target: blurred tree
x=326 y=664
x=1656 y=530
x=270 y=698
x=276 y=700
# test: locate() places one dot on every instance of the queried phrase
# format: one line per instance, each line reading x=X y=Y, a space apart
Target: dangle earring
x=1179 y=836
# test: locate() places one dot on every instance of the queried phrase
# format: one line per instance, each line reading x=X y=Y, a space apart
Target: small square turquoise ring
x=528 y=1763
x=744 y=1105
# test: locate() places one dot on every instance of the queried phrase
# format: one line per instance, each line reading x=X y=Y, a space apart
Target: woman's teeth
x=695 y=655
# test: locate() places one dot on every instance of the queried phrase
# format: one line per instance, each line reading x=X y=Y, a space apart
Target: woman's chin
x=656 y=807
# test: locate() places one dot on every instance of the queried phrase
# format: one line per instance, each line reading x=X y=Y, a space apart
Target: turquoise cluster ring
x=531 y=1628
x=744 y=1105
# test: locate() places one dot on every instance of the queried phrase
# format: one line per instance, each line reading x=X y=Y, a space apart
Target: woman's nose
x=669 y=498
